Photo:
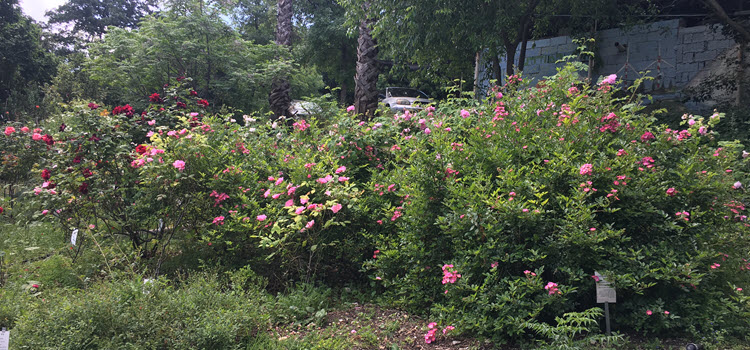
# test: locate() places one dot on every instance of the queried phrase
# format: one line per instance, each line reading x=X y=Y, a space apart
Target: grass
x=83 y=304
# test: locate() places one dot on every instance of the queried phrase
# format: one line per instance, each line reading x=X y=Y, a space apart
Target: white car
x=304 y=108
x=399 y=99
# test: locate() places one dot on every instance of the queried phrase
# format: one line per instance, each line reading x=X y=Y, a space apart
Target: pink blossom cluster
x=220 y=197
x=647 y=136
x=301 y=125
x=586 y=169
x=450 y=276
x=611 y=123
x=430 y=336
x=551 y=288
x=218 y=221
x=683 y=214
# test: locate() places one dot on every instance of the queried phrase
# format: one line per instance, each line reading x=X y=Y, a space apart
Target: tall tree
x=190 y=39
x=90 y=18
x=24 y=63
x=279 y=98
x=366 y=78
x=326 y=45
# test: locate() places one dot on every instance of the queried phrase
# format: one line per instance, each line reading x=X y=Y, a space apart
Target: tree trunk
x=476 y=75
x=524 y=42
x=496 y=68
x=279 y=98
x=366 y=77
x=342 y=93
x=345 y=80
x=510 y=52
x=740 y=73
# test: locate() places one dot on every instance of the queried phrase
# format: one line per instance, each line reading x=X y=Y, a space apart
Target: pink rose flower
x=179 y=165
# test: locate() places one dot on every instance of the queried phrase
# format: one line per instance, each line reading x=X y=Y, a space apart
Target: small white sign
x=74 y=237
x=161 y=225
x=605 y=293
x=4 y=339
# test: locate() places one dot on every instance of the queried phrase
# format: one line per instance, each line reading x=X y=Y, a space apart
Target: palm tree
x=366 y=77
x=279 y=97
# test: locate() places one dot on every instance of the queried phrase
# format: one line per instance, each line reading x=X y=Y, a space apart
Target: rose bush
x=494 y=214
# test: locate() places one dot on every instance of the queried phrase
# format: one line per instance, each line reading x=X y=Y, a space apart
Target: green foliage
x=26 y=64
x=569 y=329
x=302 y=305
x=188 y=40
x=93 y=17
x=513 y=201
x=192 y=312
x=505 y=186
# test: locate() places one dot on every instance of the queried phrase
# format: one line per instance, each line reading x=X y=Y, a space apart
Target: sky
x=37 y=8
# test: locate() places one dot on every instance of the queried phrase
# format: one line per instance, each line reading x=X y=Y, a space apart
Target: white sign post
x=606 y=294
x=4 y=339
x=74 y=237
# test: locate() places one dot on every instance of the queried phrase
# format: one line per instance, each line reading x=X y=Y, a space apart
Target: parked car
x=304 y=108
x=399 y=99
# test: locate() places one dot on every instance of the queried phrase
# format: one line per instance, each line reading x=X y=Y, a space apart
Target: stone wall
x=683 y=51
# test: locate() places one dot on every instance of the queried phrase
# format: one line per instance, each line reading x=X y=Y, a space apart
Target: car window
x=404 y=92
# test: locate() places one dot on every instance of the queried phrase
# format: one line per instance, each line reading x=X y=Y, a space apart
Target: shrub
x=560 y=180
x=194 y=312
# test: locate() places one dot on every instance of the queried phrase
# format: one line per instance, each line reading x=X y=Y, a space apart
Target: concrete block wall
x=683 y=53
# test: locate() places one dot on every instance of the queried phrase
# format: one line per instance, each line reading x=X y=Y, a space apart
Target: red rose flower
x=48 y=139
x=203 y=103
x=193 y=93
x=155 y=98
x=46 y=174
x=93 y=105
x=141 y=149
x=87 y=173
x=84 y=188
x=181 y=105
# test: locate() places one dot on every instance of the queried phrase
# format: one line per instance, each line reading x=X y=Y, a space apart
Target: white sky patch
x=37 y=8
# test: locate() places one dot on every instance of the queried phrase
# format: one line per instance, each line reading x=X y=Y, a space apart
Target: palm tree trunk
x=279 y=98
x=366 y=77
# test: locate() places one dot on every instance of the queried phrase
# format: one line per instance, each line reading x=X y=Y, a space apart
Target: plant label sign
x=605 y=293
x=4 y=339
x=74 y=237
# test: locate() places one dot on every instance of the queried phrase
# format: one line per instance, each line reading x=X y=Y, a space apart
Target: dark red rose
x=126 y=109
x=155 y=98
x=141 y=149
x=93 y=105
x=84 y=188
x=203 y=103
x=1 y=210
x=77 y=159
x=46 y=174
x=48 y=139
x=87 y=173
x=181 y=105
x=193 y=93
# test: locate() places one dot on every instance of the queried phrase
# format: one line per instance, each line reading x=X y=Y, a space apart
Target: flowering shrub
x=563 y=182
x=492 y=214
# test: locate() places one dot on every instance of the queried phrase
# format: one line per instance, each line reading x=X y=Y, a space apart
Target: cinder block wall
x=684 y=52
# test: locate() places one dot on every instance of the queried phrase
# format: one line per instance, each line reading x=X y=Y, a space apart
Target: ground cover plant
x=487 y=217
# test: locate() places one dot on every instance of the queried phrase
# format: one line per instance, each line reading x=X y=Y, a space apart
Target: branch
x=719 y=11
